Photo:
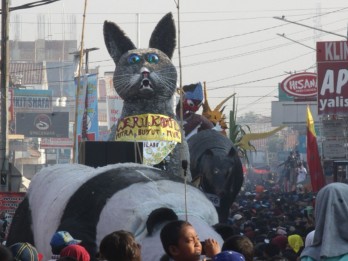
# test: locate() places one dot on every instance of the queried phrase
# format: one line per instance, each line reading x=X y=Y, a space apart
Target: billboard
x=332 y=64
x=301 y=86
x=53 y=143
x=43 y=125
x=114 y=107
x=114 y=102
x=25 y=100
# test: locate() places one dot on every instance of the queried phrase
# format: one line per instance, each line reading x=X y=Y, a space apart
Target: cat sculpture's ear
x=163 y=37
x=116 y=41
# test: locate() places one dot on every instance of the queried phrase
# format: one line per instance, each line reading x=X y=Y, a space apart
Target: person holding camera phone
x=181 y=243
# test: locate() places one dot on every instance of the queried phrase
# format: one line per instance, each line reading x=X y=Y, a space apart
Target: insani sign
x=300 y=85
x=332 y=64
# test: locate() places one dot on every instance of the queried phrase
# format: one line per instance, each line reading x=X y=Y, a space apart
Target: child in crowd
x=24 y=252
x=240 y=244
x=60 y=240
x=76 y=251
x=5 y=254
x=181 y=243
x=120 y=246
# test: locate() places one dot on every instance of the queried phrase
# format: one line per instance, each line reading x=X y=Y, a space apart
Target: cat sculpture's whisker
x=166 y=83
x=125 y=75
x=167 y=70
x=166 y=79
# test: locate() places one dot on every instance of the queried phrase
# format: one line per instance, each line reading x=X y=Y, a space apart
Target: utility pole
x=77 y=94
x=86 y=51
x=4 y=164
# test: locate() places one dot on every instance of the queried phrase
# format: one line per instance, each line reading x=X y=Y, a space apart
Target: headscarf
x=309 y=239
x=295 y=242
x=75 y=251
x=331 y=226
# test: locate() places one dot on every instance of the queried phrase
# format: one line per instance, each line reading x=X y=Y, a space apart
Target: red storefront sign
x=301 y=85
x=332 y=64
x=9 y=202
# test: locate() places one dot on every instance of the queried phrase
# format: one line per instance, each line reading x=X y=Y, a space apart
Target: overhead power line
x=31 y=5
x=262 y=30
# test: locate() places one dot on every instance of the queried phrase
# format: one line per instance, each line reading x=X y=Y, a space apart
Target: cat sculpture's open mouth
x=146 y=87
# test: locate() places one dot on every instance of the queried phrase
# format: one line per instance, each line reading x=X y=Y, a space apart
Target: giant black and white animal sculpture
x=91 y=203
x=216 y=166
x=146 y=78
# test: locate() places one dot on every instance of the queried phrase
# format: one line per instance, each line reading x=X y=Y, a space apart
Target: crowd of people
x=262 y=226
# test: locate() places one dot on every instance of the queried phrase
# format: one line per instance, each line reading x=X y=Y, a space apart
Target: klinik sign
x=332 y=64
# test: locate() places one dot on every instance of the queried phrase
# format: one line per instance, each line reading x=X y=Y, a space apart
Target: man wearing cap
x=60 y=240
x=237 y=220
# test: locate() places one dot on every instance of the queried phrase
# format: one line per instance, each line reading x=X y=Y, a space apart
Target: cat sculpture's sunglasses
x=136 y=58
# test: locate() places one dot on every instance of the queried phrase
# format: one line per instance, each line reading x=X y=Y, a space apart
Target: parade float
x=92 y=202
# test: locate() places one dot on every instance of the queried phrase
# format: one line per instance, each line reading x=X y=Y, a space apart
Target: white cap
x=237 y=217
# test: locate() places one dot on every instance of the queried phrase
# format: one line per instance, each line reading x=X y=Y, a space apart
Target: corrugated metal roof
x=29 y=73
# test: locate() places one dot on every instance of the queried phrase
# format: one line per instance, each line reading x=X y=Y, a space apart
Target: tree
x=237 y=131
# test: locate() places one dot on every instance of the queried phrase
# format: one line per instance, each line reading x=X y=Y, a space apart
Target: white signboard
x=52 y=143
x=114 y=106
x=334 y=149
x=333 y=128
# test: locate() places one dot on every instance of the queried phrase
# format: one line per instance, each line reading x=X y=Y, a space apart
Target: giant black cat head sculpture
x=144 y=76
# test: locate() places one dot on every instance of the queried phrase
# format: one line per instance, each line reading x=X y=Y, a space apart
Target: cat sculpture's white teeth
x=145 y=83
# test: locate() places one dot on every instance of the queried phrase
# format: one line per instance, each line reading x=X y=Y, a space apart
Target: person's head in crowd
x=258 y=250
x=224 y=230
x=309 y=239
x=60 y=240
x=271 y=251
x=331 y=223
x=5 y=254
x=24 y=252
x=281 y=231
x=180 y=241
x=280 y=241
x=120 y=246
x=237 y=219
x=241 y=244
x=295 y=242
x=228 y=256
x=249 y=232
x=76 y=251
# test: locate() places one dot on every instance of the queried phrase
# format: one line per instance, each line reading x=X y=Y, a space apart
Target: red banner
x=332 y=64
x=313 y=160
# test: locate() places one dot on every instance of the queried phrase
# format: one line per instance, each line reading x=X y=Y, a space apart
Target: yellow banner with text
x=146 y=127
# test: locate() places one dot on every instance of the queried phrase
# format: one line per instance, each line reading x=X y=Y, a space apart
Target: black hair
x=5 y=254
x=170 y=234
x=224 y=230
x=241 y=244
x=119 y=246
